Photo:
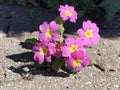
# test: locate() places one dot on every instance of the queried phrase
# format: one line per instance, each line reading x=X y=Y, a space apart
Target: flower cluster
x=71 y=50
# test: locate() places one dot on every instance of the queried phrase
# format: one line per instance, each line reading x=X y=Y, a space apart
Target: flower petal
x=81 y=33
x=86 y=61
x=66 y=51
x=44 y=27
x=39 y=57
x=87 y=25
x=87 y=41
x=36 y=47
x=70 y=41
x=78 y=55
x=51 y=48
x=79 y=42
x=96 y=38
x=79 y=68
x=69 y=62
x=54 y=26
x=48 y=58
x=56 y=36
x=43 y=37
x=94 y=28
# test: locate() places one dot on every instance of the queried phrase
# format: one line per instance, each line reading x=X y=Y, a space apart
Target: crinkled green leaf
x=111 y=7
x=92 y=62
x=31 y=40
x=56 y=65
x=61 y=39
x=61 y=29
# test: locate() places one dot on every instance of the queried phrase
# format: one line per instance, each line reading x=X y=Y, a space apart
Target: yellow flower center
x=89 y=33
x=68 y=13
x=77 y=63
x=49 y=33
x=43 y=50
x=73 y=48
x=59 y=48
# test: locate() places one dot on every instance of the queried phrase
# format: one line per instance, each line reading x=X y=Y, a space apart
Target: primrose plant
x=68 y=54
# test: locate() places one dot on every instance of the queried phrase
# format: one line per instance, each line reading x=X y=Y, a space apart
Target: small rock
x=88 y=83
x=27 y=76
x=26 y=69
x=117 y=86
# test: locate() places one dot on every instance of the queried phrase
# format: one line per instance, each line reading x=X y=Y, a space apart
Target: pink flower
x=58 y=52
x=77 y=61
x=68 y=12
x=49 y=32
x=89 y=33
x=71 y=46
x=43 y=50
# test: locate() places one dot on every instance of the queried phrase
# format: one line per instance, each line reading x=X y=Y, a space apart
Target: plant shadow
x=29 y=63
x=22 y=57
x=26 y=45
x=37 y=71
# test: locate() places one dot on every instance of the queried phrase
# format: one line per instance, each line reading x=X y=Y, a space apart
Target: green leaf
x=73 y=72
x=31 y=40
x=59 y=20
x=92 y=62
x=111 y=7
x=56 y=65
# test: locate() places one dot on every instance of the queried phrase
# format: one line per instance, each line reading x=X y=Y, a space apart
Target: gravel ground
x=16 y=62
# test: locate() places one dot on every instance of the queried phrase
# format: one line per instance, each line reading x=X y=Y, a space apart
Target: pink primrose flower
x=89 y=33
x=71 y=46
x=58 y=52
x=77 y=61
x=43 y=50
x=49 y=32
x=68 y=12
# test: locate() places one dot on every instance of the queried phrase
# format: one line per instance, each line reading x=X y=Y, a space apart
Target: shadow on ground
x=27 y=57
x=37 y=71
x=34 y=69
x=22 y=57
